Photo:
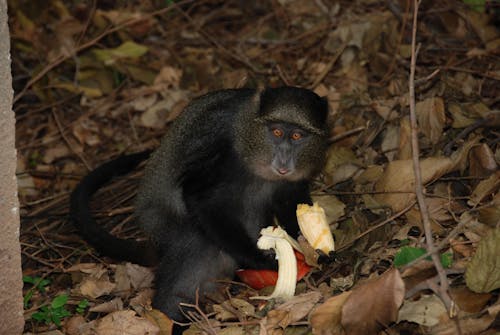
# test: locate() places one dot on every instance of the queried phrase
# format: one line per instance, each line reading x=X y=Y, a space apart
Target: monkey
x=234 y=160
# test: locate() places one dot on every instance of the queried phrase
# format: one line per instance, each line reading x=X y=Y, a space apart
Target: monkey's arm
x=228 y=233
x=137 y=252
x=285 y=205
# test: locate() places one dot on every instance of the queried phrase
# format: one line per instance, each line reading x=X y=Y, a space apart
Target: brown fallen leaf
x=163 y=322
x=373 y=305
x=469 y=301
x=125 y=322
x=72 y=325
x=482 y=161
x=326 y=319
x=142 y=300
x=468 y=326
x=95 y=287
x=140 y=276
x=490 y=213
x=485 y=188
x=293 y=310
x=431 y=117
x=428 y=311
x=483 y=271
x=109 y=306
x=404 y=151
x=233 y=309
x=399 y=177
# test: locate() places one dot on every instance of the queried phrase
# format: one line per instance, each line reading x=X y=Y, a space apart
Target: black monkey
x=232 y=161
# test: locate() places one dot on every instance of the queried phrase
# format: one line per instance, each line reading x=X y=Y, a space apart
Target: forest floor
x=97 y=79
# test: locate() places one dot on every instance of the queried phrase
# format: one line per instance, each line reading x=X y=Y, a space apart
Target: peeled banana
x=315 y=228
x=276 y=238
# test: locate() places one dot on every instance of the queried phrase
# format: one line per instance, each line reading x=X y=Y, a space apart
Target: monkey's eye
x=277 y=132
x=296 y=136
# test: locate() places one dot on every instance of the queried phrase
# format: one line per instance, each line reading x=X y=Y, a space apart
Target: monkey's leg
x=195 y=268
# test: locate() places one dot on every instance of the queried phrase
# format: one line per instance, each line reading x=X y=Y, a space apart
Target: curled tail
x=143 y=252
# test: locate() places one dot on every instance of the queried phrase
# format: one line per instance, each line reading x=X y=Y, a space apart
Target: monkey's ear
x=324 y=108
x=257 y=99
x=259 y=90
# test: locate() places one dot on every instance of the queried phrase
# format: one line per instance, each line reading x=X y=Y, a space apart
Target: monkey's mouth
x=282 y=171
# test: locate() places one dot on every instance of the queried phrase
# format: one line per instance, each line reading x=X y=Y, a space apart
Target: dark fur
x=212 y=186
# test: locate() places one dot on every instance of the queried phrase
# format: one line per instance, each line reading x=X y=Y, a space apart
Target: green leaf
x=447 y=259
x=407 y=255
x=28 y=280
x=80 y=308
x=42 y=315
x=56 y=319
x=483 y=272
x=59 y=301
x=27 y=298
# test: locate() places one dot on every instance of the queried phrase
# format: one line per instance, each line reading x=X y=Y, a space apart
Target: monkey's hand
x=324 y=259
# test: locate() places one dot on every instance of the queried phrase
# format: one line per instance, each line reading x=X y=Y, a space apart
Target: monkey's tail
x=143 y=252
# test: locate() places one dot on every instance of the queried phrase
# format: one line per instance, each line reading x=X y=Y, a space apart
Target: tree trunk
x=11 y=295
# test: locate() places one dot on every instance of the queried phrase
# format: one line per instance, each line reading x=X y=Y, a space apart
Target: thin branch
x=424 y=212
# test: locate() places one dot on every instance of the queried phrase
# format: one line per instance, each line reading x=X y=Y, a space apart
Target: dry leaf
x=325 y=319
x=122 y=281
x=72 y=325
x=334 y=208
x=390 y=142
x=86 y=132
x=56 y=152
x=469 y=301
x=385 y=108
x=161 y=112
x=93 y=287
x=404 y=151
x=109 y=306
x=341 y=164
x=169 y=77
x=374 y=305
x=144 y=102
x=427 y=311
x=482 y=161
x=490 y=213
x=468 y=326
x=140 y=276
x=483 y=271
x=161 y=320
x=293 y=310
x=371 y=174
x=399 y=176
x=431 y=117
x=142 y=300
x=94 y=269
x=484 y=189
x=125 y=322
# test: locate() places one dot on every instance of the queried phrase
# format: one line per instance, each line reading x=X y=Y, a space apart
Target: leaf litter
x=93 y=81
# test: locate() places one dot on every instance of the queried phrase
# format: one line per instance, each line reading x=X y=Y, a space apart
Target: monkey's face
x=290 y=153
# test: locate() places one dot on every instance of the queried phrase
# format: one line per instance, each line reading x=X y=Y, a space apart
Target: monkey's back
x=198 y=137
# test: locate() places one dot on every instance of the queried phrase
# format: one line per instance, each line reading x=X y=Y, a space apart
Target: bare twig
x=443 y=287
